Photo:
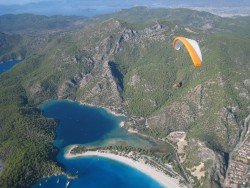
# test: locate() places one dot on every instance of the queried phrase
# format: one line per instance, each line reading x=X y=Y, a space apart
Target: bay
x=92 y=126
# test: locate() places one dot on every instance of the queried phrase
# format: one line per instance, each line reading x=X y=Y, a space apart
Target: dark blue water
x=91 y=126
x=7 y=65
x=79 y=124
x=99 y=172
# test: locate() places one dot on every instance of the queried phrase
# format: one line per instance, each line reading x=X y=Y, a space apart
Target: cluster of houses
x=238 y=174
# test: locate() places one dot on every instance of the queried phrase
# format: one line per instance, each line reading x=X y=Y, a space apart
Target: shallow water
x=99 y=172
x=92 y=126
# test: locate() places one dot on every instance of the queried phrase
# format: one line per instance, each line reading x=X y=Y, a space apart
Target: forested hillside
x=125 y=61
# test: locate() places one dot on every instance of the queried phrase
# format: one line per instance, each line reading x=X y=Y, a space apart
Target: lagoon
x=92 y=126
x=78 y=124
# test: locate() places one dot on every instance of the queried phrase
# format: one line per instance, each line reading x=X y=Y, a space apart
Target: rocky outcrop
x=229 y=121
x=218 y=171
x=105 y=92
x=134 y=80
x=247 y=82
x=68 y=88
x=103 y=87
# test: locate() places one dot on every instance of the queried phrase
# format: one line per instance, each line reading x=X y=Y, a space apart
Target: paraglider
x=193 y=50
x=178 y=85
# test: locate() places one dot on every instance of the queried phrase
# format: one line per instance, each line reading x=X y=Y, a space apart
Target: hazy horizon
x=215 y=3
x=94 y=7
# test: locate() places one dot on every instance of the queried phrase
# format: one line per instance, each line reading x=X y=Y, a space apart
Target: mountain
x=27 y=32
x=7 y=44
x=97 y=7
x=32 y=24
x=125 y=61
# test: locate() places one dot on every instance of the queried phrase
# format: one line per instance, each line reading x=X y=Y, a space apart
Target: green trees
x=145 y=66
x=25 y=137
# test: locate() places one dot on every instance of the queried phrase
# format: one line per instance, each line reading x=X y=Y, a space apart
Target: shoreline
x=155 y=174
x=121 y=124
x=105 y=108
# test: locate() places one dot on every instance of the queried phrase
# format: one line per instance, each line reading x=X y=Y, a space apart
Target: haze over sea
x=96 y=7
x=91 y=126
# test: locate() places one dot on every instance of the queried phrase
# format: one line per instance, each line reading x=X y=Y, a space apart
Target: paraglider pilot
x=193 y=49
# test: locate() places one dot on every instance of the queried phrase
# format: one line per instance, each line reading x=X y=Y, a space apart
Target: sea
x=7 y=65
x=92 y=126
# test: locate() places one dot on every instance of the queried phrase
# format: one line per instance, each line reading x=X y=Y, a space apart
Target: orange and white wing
x=192 y=48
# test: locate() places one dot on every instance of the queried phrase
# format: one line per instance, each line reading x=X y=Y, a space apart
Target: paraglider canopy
x=192 y=48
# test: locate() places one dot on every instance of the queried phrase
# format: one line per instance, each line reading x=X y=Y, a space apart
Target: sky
x=21 y=2
x=13 y=2
x=94 y=7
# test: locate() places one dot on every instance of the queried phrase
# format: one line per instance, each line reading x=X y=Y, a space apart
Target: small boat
x=58 y=180
x=67 y=184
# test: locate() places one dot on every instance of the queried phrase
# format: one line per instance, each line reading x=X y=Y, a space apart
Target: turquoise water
x=7 y=65
x=78 y=124
x=98 y=172
x=81 y=124
x=91 y=126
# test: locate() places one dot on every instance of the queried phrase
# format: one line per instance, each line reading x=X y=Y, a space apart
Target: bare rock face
x=105 y=92
x=127 y=35
x=229 y=121
x=36 y=88
x=134 y=80
x=247 y=82
x=196 y=155
x=68 y=88
x=101 y=88
x=94 y=83
x=218 y=171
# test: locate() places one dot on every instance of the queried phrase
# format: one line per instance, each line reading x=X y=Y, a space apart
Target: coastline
x=105 y=108
x=157 y=175
x=121 y=124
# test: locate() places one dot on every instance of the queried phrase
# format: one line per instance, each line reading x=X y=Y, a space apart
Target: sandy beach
x=154 y=173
